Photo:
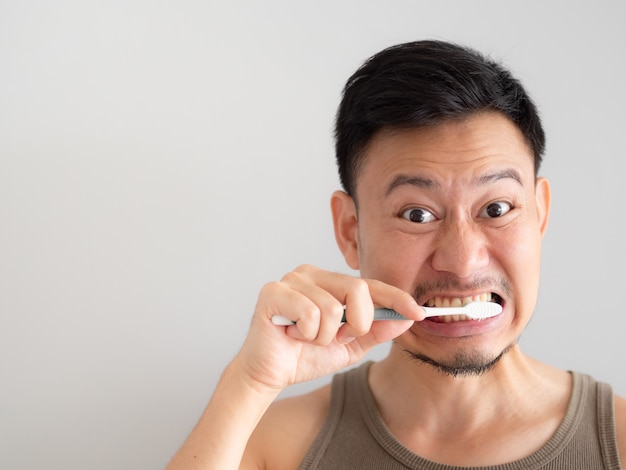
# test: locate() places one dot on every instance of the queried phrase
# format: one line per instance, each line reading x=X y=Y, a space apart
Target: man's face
x=452 y=213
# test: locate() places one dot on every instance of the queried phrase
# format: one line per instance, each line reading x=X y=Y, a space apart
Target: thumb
x=381 y=332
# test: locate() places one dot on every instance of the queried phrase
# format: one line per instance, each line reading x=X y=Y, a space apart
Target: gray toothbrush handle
x=379 y=314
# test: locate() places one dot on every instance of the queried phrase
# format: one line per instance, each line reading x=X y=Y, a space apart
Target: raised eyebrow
x=413 y=180
x=504 y=174
x=428 y=183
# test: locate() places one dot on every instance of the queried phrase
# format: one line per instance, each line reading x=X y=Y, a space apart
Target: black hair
x=425 y=83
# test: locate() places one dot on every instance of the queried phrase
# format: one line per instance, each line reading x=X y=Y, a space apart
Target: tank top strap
x=333 y=416
x=606 y=426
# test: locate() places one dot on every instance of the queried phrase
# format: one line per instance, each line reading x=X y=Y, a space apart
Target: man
x=438 y=150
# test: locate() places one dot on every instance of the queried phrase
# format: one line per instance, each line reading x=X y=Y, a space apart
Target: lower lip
x=457 y=329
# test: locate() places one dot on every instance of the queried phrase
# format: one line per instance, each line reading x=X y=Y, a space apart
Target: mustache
x=499 y=285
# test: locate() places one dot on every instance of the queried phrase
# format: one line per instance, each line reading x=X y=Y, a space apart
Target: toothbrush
x=473 y=310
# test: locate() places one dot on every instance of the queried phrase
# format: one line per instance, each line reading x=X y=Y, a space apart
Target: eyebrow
x=499 y=175
x=428 y=183
x=411 y=180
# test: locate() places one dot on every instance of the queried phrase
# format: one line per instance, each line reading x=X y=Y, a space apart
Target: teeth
x=457 y=302
x=453 y=318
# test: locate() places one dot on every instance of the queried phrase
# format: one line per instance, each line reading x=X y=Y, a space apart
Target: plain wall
x=161 y=160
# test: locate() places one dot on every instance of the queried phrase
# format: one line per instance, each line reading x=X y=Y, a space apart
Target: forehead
x=448 y=152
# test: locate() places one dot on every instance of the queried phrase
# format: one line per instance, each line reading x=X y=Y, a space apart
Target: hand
x=319 y=344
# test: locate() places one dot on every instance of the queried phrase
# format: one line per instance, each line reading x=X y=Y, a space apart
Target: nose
x=461 y=249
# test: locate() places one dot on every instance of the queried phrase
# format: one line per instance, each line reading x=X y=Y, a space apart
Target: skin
x=483 y=215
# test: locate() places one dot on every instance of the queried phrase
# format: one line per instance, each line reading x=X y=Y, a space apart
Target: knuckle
x=330 y=306
x=309 y=323
x=291 y=277
x=359 y=324
x=271 y=288
x=360 y=287
x=359 y=294
x=334 y=312
x=305 y=268
x=360 y=328
x=309 y=313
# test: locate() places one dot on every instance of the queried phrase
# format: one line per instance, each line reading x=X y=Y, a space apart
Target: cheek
x=523 y=251
x=520 y=257
x=391 y=257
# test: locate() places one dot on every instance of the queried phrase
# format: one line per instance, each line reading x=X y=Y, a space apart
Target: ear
x=346 y=227
x=542 y=199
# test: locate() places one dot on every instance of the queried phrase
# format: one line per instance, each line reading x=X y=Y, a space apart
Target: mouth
x=442 y=302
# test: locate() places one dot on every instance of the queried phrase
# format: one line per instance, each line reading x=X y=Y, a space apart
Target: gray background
x=161 y=160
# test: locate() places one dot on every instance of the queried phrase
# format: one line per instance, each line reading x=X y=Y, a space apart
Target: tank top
x=354 y=435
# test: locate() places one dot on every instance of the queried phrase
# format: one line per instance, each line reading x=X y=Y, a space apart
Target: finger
x=359 y=311
x=359 y=296
x=328 y=312
x=345 y=288
x=381 y=332
x=388 y=296
x=350 y=291
x=279 y=299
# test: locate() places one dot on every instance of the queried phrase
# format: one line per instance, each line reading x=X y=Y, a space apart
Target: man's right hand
x=319 y=344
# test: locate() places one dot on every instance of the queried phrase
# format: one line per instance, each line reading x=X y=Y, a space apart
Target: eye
x=418 y=215
x=496 y=209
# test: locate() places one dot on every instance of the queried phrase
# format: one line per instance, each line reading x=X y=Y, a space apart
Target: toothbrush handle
x=379 y=314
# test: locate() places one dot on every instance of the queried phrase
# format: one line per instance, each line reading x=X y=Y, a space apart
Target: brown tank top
x=354 y=435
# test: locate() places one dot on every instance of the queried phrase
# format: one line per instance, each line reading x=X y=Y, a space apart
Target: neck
x=501 y=415
x=432 y=398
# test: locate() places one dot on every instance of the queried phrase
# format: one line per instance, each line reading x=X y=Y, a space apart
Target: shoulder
x=287 y=430
x=620 y=426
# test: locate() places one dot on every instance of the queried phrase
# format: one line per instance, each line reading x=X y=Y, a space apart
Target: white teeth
x=457 y=302
x=454 y=318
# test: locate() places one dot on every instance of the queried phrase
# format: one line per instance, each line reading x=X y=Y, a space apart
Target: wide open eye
x=496 y=209
x=418 y=215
